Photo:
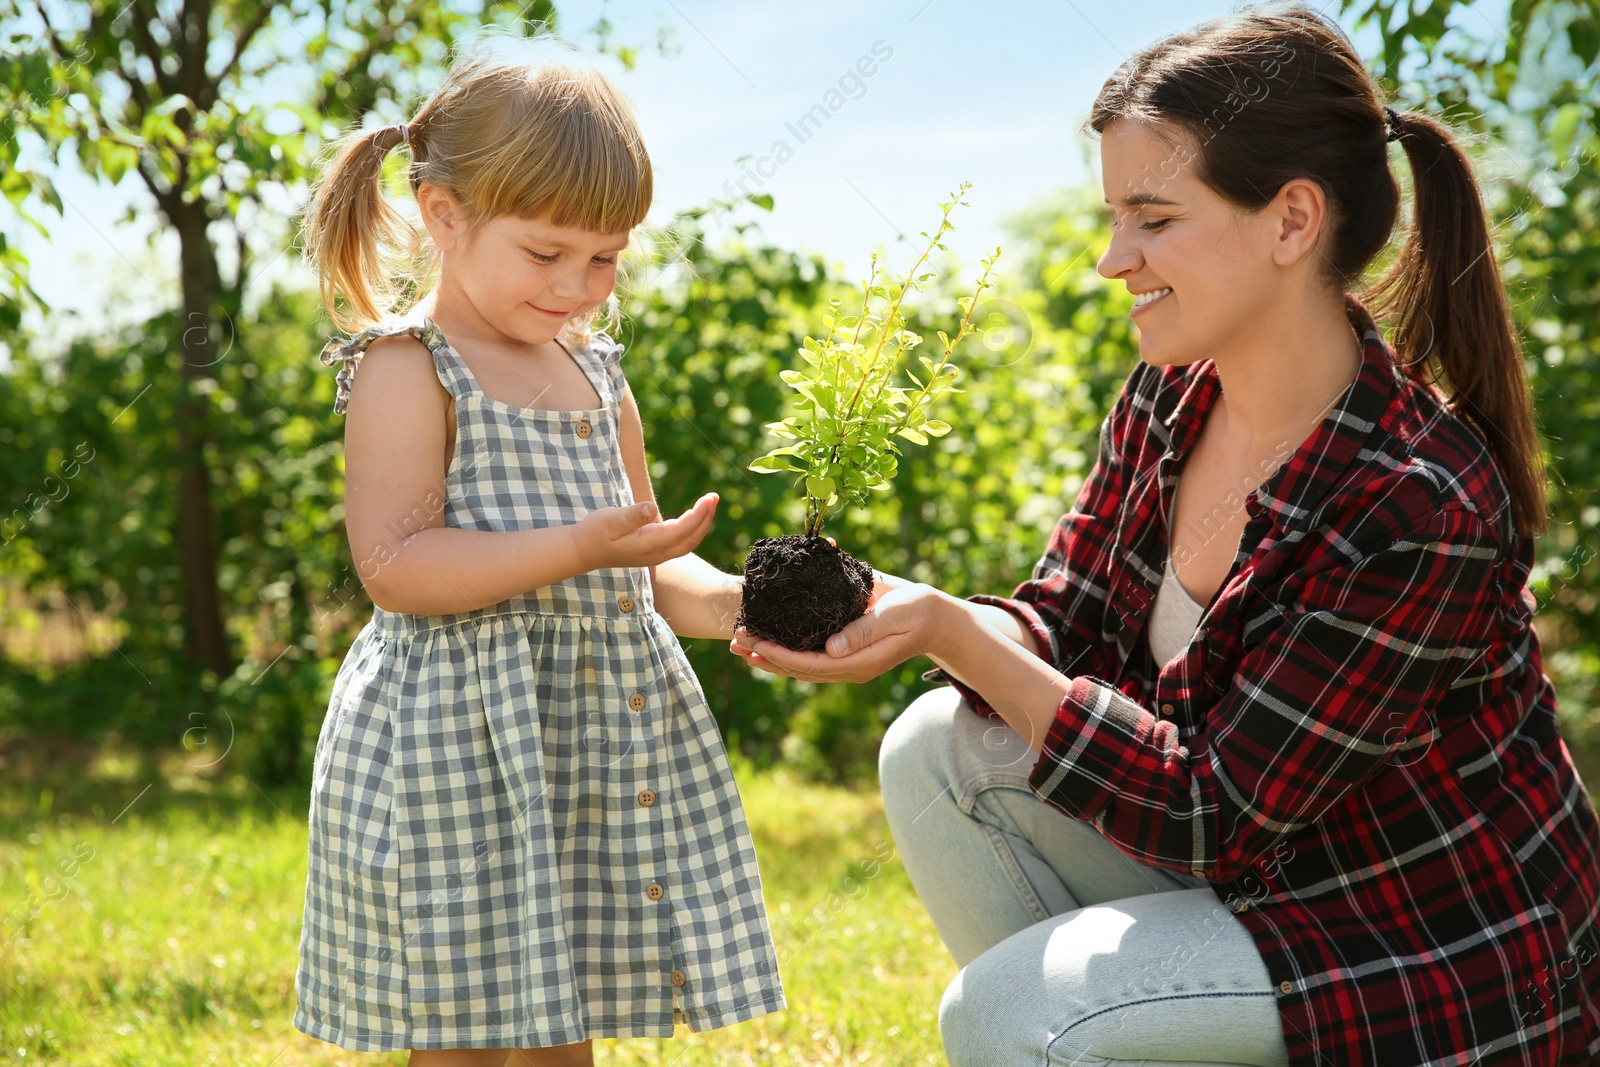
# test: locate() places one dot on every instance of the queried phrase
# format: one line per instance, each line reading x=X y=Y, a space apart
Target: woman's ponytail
x=351 y=230
x=1448 y=308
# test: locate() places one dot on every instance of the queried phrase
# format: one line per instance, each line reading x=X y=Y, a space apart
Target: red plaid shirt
x=1359 y=749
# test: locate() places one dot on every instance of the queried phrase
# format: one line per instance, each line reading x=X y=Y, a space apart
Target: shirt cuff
x=1097 y=735
x=1044 y=642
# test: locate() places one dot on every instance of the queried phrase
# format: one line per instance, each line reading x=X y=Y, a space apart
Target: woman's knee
x=973 y=1024
x=916 y=745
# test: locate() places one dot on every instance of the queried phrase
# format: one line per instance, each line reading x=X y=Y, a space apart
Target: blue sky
x=916 y=96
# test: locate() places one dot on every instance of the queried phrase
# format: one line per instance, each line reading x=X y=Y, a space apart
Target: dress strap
x=346 y=352
x=606 y=354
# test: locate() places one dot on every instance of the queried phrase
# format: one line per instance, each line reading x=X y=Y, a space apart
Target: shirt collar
x=1292 y=493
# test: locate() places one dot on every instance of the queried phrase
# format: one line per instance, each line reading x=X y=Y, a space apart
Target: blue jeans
x=1070 y=952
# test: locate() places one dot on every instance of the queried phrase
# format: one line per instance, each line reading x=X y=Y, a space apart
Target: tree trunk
x=203 y=321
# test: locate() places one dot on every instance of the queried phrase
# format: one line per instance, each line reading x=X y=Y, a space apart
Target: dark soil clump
x=800 y=591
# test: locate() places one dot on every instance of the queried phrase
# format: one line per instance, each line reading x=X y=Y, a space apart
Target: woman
x=1276 y=663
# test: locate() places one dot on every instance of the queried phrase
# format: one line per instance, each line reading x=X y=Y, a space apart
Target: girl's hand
x=901 y=621
x=636 y=536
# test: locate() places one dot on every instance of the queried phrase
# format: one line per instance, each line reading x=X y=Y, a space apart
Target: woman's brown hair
x=1270 y=95
x=504 y=137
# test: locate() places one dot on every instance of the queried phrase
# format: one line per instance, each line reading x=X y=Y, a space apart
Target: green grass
x=150 y=915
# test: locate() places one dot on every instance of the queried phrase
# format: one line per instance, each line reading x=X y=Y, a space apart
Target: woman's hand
x=902 y=621
x=637 y=536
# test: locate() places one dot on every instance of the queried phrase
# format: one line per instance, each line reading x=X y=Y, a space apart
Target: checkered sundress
x=524 y=830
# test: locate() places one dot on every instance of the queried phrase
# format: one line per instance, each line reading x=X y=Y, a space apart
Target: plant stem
x=866 y=301
x=966 y=320
x=943 y=228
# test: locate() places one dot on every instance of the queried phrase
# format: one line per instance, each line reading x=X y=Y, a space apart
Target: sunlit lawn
x=150 y=915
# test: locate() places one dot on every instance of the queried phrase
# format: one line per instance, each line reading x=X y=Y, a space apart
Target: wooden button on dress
x=636 y=702
x=584 y=429
x=654 y=891
x=647 y=798
x=625 y=603
x=678 y=978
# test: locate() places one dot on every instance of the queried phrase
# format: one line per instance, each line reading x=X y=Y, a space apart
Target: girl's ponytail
x=504 y=135
x=1444 y=295
x=350 y=227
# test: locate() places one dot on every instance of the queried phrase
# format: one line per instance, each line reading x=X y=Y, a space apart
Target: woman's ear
x=1301 y=213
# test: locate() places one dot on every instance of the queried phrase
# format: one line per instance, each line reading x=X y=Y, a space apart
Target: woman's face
x=1202 y=268
x=526 y=277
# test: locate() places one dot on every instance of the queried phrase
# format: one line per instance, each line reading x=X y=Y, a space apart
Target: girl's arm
x=408 y=560
x=695 y=598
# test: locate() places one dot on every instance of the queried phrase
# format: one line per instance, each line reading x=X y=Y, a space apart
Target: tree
x=177 y=94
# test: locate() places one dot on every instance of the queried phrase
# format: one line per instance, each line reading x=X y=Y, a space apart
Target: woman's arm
x=1349 y=675
x=986 y=647
x=1057 y=615
x=408 y=559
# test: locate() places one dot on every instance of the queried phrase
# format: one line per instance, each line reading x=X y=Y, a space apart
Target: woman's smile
x=1141 y=301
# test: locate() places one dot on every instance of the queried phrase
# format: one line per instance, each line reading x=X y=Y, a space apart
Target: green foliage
x=90 y=458
x=846 y=448
x=103 y=542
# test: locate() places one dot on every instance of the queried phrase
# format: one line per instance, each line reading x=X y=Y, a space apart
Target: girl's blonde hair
x=504 y=137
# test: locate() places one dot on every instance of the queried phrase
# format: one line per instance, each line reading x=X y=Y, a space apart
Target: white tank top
x=1173 y=617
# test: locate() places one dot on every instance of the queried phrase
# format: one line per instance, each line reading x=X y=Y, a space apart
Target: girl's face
x=526 y=277
x=1200 y=268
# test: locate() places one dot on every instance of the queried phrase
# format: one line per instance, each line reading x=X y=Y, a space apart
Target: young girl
x=524 y=830
x=1275 y=679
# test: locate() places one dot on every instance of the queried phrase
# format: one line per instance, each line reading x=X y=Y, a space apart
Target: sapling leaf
x=853 y=412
